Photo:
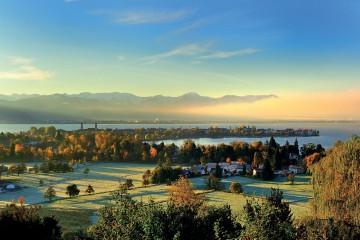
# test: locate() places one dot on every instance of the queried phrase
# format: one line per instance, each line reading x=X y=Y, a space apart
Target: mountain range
x=36 y=108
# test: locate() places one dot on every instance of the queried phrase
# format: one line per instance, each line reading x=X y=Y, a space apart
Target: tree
x=128 y=184
x=235 y=187
x=86 y=170
x=21 y=200
x=271 y=219
x=24 y=222
x=72 y=190
x=89 y=189
x=50 y=193
x=267 y=172
x=335 y=180
x=291 y=178
x=214 y=183
x=181 y=194
x=146 y=178
x=218 y=171
x=129 y=219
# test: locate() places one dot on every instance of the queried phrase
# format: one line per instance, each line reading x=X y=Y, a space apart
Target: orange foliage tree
x=182 y=194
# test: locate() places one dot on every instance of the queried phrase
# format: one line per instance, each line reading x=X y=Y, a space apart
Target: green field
x=105 y=177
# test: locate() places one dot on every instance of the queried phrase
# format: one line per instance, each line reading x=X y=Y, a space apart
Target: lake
x=329 y=132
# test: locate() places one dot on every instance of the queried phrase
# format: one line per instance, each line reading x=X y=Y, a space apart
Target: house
x=186 y=173
x=294 y=158
x=257 y=172
x=10 y=186
x=297 y=169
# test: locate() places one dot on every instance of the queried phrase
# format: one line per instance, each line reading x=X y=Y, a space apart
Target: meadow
x=80 y=211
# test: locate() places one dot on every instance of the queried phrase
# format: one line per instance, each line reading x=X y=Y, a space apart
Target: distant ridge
x=22 y=108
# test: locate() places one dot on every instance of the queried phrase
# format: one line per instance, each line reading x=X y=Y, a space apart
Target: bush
x=235 y=187
x=291 y=178
x=214 y=183
x=24 y=222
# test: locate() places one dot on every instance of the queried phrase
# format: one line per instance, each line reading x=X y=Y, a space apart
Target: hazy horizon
x=306 y=53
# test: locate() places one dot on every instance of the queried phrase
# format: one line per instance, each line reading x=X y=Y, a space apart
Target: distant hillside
x=8 y=115
x=22 y=108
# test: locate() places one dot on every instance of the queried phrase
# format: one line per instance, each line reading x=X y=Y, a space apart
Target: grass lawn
x=104 y=177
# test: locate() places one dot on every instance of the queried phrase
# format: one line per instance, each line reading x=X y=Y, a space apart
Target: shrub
x=291 y=178
x=214 y=183
x=235 y=187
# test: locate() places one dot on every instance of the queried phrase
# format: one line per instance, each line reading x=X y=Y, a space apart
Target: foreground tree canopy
x=24 y=222
x=336 y=182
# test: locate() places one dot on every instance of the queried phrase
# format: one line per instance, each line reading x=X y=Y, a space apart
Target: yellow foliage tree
x=182 y=194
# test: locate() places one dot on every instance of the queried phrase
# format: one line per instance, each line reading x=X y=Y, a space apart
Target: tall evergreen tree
x=267 y=172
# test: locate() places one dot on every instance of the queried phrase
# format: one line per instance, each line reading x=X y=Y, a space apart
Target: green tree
x=12 y=150
x=271 y=219
x=130 y=219
x=24 y=222
x=50 y=193
x=214 y=183
x=128 y=183
x=267 y=172
x=72 y=190
x=86 y=170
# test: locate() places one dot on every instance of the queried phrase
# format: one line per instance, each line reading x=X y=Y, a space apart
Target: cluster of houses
x=228 y=169
x=236 y=168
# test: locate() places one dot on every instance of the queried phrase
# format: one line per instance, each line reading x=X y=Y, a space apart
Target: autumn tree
x=182 y=194
x=89 y=189
x=336 y=183
x=21 y=200
x=146 y=178
x=50 y=193
x=235 y=187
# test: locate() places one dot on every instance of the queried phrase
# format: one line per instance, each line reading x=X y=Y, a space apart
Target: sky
x=306 y=52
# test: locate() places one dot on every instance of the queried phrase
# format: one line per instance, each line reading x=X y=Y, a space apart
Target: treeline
x=49 y=144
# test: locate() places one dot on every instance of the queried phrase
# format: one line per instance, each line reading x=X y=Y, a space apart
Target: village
x=238 y=168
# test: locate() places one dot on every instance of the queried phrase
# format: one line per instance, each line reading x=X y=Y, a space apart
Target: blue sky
x=214 y=48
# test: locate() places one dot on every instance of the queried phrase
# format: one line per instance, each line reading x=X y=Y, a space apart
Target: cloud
x=135 y=17
x=230 y=54
x=191 y=26
x=25 y=71
x=21 y=60
x=186 y=50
